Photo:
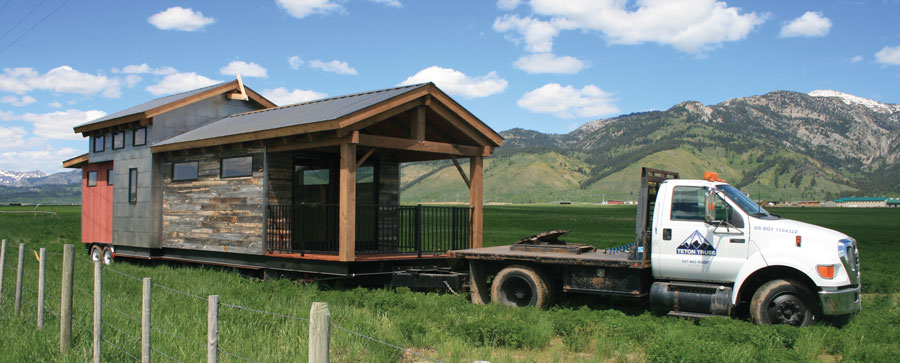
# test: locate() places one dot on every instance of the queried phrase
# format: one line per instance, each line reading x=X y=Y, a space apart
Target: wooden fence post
x=319 y=332
x=2 y=267
x=98 y=309
x=42 y=277
x=20 y=271
x=145 y=320
x=65 y=299
x=212 y=330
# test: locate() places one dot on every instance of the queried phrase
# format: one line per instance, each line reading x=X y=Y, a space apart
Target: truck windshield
x=743 y=201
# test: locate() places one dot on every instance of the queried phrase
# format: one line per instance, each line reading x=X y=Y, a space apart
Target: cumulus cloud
x=281 y=96
x=692 y=26
x=389 y=3
x=55 y=104
x=458 y=83
x=143 y=68
x=889 y=56
x=180 y=82
x=549 y=63
x=17 y=101
x=132 y=79
x=12 y=138
x=335 y=66
x=303 y=8
x=244 y=69
x=568 y=101
x=47 y=159
x=856 y=59
x=61 y=79
x=810 y=24
x=295 y=62
x=178 y=18
x=508 y=4
x=59 y=124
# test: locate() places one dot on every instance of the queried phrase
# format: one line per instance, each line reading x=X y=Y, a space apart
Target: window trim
x=114 y=140
x=109 y=176
x=195 y=162
x=132 y=185
x=222 y=167
x=89 y=178
x=134 y=139
x=102 y=143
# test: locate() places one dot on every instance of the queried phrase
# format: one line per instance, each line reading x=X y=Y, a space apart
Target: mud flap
x=478 y=287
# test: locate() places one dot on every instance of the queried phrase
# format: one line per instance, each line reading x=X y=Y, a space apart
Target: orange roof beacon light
x=713 y=177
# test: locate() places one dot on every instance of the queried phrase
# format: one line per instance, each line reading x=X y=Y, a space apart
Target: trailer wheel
x=783 y=302
x=96 y=253
x=520 y=286
x=107 y=256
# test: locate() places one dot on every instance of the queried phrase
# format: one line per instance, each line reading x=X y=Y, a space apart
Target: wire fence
x=119 y=329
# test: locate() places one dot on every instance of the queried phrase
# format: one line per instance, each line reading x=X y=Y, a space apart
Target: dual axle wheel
x=102 y=253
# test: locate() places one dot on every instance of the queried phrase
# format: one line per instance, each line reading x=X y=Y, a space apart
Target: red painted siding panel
x=96 y=205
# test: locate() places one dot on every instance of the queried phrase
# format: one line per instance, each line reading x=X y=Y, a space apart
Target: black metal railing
x=313 y=228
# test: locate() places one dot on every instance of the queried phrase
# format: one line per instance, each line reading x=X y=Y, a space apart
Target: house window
x=109 y=177
x=237 y=166
x=99 y=143
x=140 y=136
x=118 y=140
x=92 y=179
x=365 y=185
x=687 y=204
x=132 y=185
x=185 y=171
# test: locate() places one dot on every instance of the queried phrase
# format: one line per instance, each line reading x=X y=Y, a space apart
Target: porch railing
x=313 y=228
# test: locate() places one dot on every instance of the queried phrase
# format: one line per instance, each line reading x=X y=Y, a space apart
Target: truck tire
x=520 y=286
x=783 y=302
x=107 y=256
x=96 y=253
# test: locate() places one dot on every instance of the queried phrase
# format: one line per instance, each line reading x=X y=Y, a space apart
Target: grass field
x=443 y=326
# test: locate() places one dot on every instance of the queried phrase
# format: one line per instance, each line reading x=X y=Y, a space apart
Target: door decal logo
x=697 y=245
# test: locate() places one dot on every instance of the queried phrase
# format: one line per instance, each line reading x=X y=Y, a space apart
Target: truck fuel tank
x=691 y=297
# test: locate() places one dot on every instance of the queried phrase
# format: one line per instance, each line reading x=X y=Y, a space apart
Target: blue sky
x=537 y=64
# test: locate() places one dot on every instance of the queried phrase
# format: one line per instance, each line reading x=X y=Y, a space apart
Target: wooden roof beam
x=385 y=142
x=461 y=172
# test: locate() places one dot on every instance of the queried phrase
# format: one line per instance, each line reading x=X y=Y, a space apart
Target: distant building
x=808 y=203
x=893 y=202
x=614 y=202
x=862 y=202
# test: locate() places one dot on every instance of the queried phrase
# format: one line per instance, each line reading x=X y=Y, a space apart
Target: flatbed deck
x=597 y=257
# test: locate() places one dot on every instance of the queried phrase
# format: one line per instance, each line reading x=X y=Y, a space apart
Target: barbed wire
x=239 y=307
x=177 y=336
x=385 y=343
x=237 y=356
x=165 y=355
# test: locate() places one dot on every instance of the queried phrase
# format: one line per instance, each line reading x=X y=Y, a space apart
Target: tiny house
x=221 y=175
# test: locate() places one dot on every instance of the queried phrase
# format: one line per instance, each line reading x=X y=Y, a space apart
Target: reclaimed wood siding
x=213 y=213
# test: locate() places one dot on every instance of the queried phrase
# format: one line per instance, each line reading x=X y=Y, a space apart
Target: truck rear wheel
x=782 y=302
x=520 y=286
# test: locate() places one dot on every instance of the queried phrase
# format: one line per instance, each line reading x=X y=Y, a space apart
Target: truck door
x=691 y=249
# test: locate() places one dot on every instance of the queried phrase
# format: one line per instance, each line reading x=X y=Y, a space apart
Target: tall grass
x=443 y=326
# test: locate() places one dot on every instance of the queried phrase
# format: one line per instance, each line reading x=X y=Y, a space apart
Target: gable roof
x=167 y=103
x=320 y=115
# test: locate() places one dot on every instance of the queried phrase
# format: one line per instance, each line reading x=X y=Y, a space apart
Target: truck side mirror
x=711 y=207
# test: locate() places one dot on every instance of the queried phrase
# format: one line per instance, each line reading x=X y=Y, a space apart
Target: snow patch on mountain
x=851 y=99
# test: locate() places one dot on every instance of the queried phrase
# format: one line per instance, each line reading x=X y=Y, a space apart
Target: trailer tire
x=520 y=286
x=783 y=302
x=96 y=253
x=107 y=256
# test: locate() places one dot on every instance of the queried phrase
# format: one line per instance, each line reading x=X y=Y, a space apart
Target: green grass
x=444 y=326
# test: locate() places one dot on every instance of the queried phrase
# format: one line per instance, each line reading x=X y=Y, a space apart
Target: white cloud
x=178 y=18
x=18 y=102
x=281 y=96
x=692 y=26
x=810 y=24
x=856 y=59
x=59 y=124
x=244 y=69
x=335 y=66
x=303 y=8
x=889 y=55
x=62 y=79
x=569 y=101
x=295 y=62
x=458 y=83
x=143 y=68
x=48 y=159
x=508 y=4
x=7 y=115
x=549 y=63
x=390 y=3
x=180 y=82
x=132 y=79
x=55 y=104
x=12 y=138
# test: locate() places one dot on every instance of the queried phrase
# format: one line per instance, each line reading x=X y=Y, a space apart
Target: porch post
x=347 y=203
x=476 y=199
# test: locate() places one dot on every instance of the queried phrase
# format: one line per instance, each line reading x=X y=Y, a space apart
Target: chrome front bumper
x=840 y=302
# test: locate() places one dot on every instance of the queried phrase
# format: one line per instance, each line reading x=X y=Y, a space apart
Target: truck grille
x=850 y=259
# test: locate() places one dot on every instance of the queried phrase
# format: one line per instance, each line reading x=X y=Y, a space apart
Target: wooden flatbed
x=594 y=257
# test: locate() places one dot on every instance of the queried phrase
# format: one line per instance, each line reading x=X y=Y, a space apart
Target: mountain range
x=782 y=145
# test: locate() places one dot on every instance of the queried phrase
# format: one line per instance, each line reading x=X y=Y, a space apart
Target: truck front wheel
x=782 y=302
x=520 y=286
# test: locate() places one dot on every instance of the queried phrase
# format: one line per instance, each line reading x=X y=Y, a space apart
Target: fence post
x=212 y=330
x=2 y=267
x=145 y=320
x=319 y=332
x=42 y=272
x=65 y=299
x=98 y=309
x=20 y=270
